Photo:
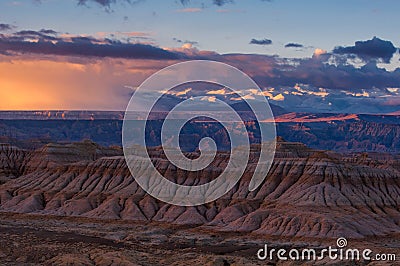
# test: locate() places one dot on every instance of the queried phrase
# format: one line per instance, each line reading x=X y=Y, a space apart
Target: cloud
x=222 y=2
x=278 y=97
x=363 y=93
x=102 y=3
x=59 y=82
x=188 y=51
x=300 y=91
x=189 y=10
x=211 y=99
x=226 y=11
x=246 y=97
x=105 y=3
x=48 y=31
x=293 y=45
x=217 y=2
x=317 y=71
x=261 y=41
x=319 y=51
x=127 y=36
x=222 y=91
x=6 y=27
x=177 y=93
x=35 y=42
x=31 y=34
x=185 y=41
x=374 y=49
x=214 y=2
x=393 y=90
x=187 y=46
x=83 y=54
x=133 y=33
x=219 y=92
x=184 y=92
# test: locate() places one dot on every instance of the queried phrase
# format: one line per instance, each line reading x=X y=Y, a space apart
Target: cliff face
x=345 y=136
x=307 y=193
x=11 y=162
x=338 y=132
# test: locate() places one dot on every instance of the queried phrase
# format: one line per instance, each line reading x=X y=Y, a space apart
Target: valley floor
x=27 y=239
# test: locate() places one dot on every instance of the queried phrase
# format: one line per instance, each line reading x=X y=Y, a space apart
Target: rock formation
x=307 y=193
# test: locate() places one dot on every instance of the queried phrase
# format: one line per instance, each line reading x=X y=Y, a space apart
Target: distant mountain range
x=339 y=132
x=240 y=106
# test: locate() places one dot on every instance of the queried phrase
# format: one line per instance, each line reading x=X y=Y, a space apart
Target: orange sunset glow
x=44 y=84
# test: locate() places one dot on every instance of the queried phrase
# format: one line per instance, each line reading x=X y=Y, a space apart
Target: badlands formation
x=85 y=193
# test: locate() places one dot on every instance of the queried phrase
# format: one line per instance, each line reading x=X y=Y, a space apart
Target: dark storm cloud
x=6 y=27
x=21 y=42
x=84 y=40
x=47 y=31
x=317 y=71
x=293 y=45
x=261 y=41
x=374 y=49
x=34 y=34
x=330 y=70
x=320 y=74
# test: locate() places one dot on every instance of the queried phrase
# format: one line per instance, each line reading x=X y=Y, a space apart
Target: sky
x=90 y=54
